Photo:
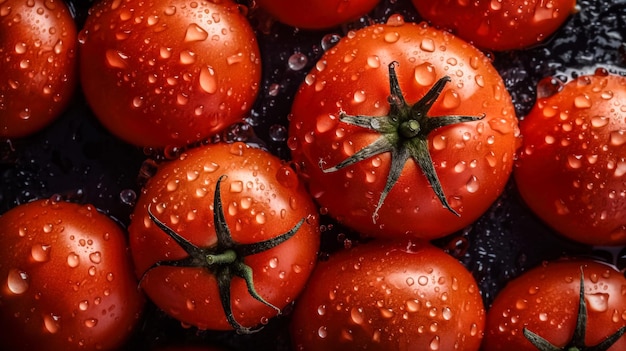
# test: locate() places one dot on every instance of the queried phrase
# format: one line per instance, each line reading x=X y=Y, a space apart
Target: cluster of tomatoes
x=323 y=175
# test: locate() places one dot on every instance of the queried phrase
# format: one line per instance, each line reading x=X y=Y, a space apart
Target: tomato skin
x=39 y=65
x=545 y=300
x=317 y=14
x=257 y=205
x=570 y=170
x=473 y=160
x=510 y=25
x=389 y=296
x=67 y=279
x=162 y=73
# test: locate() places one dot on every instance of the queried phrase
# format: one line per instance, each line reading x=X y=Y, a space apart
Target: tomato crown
x=578 y=339
x=225 y=259
x=404 y=133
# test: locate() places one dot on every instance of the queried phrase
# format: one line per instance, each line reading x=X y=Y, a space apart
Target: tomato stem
x=578 y=339
x=404 y=134
x=226 y=259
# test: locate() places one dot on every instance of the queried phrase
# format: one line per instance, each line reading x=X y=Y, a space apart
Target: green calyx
x=578 y=339
x=226 y=259
x=404 y=133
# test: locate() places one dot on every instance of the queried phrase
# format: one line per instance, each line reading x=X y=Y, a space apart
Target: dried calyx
x=225 y=260
x=404 y=133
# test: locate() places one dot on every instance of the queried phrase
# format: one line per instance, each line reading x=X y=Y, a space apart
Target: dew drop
x=322 y=332
x=90 y=322
x=195 y=33
x=51 y=323
x=73 y=260
x=427 y=44
x=359 y=96
x=598 y=302
x=187 y=57
x=83 y=305
x=582 y=101
x=373 y=61
x=434 y=343
x=472 y=184
x=451 y=99
x=236 y=186
x=260 y=218
x=17 y=281
x=391 y=37
x=599 y=121
x=116 y=59
x=356 y=315
x=40 y=253
x=208 y=81
x=297 y=61
x=617 y=137
x=574 y=161
x=95 y=257
x=425 y=74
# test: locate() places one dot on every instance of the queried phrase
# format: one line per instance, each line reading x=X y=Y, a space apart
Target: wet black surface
x=75 y=158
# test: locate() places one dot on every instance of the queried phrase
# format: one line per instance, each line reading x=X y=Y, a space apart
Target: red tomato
x=160 y=73
x=257 y=198
x=400 y=172
x=572 y=164
x=389 y=296
x=67 y=279
x=317 y=14
x=547 y=301
x=39 y=69
x=496 y=24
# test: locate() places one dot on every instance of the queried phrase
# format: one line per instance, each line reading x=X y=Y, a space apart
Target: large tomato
x=160 y=73
x=317 y=14
x=224 y=237
x=571 y=169
x=569 y=305
x=388 y=297
x=403 y=130
x=67 y=281
x=497 y=24
x=39 y=64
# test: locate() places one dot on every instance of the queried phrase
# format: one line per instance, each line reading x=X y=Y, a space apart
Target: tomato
x=571 y=169
x=561 y=302
x=389 y=296
x=67 y=279
x=403 y=130
x=224 y=237
x=317 y=14
x=496 y=24
x=39 y=64
x=168 y=73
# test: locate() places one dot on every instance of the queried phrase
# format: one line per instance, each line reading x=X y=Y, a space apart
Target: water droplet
x=451 y=99
x=236 y=186
x=95 y=257
x=73 y=260
x=187 y=57
x=322 y=332
x=40 y=253
x=17 y=281
x=83 y=305
x=427 y=44
x=391 y=37
x=472 y=184
x=599 y=121
x=195 y=33
x=330 y=40
x=297 y=61
x=321 y=310
x=617 y=137
x=51 y=323
x=574 y=161
x=356 y=315
x=90 y=322
x=373 y=61
x=116 y=59
x=598 y=302
x=561 y=208
x=20 y=48
x=260 y=218
x=359 y=96
x=582 y=101
x=425 y=74
x=434 y=343
x=208 y=81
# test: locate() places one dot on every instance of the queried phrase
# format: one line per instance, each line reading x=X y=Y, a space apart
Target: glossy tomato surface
x=39 y=64
x=392 y=296
x=572 y=166
x=162 y=73
x=545 y=300
x=496 y=24
x=261 y=199
x=473 y=160
x=68 y=283
x=317 y=14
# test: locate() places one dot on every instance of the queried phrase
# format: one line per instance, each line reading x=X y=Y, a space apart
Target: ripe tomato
x=160 y=73
x=200 y=231
x=39 y=69
x=389 y=296
x=67 y=279
x=496 y=24
x=559 y=305
x=571 y=169
x=403 y=173
x=317 y=14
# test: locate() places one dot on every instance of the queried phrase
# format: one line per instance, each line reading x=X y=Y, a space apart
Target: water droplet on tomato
x=116 y=59
x=451 y=99
x=90 y=322
x=597 y=302
x=51 y=323
x=359 y=96
x=73 y=260
x=170 y=10
x=40 y=253
x=95 y=257
x=617 y=137
x=600 y=121
x=208 y=81
x=472 y=184
x=260 y=218
x=322 y=332
x=391 y=37
x=582 y=101
x=356 y=315
x=195 y=33
x=425 y=74
x=17 y=281
x=187 y=57
x=427 y=44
